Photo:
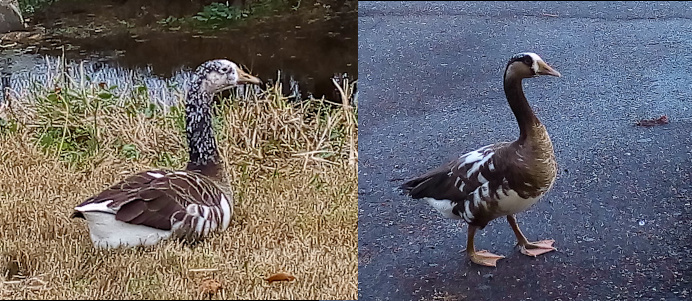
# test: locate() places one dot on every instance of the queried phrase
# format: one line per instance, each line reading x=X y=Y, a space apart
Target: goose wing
x=467 y=187
x=184 y=201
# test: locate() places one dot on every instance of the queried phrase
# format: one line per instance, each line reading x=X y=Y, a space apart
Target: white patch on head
x=444 y=207
x=535 y=59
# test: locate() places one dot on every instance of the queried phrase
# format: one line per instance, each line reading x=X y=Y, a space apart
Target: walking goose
x=500 y=179
x=189 y=204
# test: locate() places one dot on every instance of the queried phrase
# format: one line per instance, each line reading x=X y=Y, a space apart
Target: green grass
x=28 y=7
x=222 y=14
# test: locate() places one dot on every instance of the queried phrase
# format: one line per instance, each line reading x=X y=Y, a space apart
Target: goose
x=500 y=179
x=189 y=204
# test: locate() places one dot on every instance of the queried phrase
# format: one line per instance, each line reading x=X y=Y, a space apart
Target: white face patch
x=535 y=59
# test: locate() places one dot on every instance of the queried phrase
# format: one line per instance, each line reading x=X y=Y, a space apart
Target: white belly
x=512 y=203
x=107 y=232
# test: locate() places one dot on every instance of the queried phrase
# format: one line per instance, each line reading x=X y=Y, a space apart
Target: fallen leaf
x=654 y=121
x=209 y=287
x=280 y=277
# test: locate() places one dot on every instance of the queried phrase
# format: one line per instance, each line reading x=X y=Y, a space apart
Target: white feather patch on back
x=477 y=158
x=100 y=206
x=468 y=216
x=155 y=174
x=476 y=198
x=481 y=178
x=477 y=164
x=473 y=156
x=192 y=209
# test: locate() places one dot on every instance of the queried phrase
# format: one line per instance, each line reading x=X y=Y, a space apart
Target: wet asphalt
x=620 y=211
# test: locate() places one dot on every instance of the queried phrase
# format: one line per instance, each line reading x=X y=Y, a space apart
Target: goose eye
x=527 y=60
x=224 y=70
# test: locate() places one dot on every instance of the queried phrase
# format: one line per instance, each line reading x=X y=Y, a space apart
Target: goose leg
x=530 y=248
x=481 y=257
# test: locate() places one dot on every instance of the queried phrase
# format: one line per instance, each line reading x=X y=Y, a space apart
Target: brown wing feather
x=441 y=183
x=143 y=199
x=437 y=184
x=452 y=181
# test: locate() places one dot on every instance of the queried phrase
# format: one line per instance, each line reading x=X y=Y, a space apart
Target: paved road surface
x=621 y=208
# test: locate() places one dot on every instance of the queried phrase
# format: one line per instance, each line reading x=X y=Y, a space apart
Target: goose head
x=221 y=74
x=529 y=64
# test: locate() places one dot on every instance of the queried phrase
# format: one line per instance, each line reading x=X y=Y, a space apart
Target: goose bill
x=544 y=69
x=245 y=78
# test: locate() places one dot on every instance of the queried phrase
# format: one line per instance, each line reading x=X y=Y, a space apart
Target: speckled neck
x=204 y=156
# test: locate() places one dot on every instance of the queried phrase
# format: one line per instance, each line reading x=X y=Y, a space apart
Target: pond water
x=302 y=48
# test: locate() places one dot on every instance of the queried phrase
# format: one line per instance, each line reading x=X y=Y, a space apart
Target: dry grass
x=293 y=171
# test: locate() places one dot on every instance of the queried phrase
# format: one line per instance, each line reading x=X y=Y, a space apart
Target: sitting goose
x=500 y=179
x=150 y=206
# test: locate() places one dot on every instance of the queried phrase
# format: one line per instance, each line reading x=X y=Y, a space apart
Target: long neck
x=204 y=156
x=526 y=119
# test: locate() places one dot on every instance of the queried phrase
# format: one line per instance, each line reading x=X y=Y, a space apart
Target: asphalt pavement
x=620 y=212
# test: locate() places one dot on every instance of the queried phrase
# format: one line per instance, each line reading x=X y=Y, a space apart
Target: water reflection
x=307 y=51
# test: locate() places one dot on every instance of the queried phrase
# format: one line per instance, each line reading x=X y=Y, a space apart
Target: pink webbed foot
x=537 y=248
x=485 y=258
